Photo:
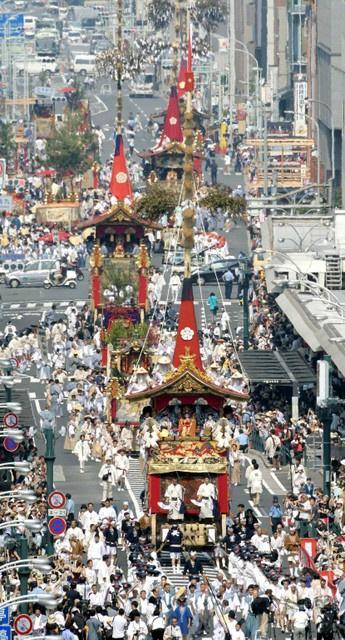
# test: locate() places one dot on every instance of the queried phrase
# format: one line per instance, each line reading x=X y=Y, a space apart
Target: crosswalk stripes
x=136 y=479
x=8 y=307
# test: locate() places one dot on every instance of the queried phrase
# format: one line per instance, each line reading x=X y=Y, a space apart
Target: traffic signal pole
x=49 y=457
x=23 y=572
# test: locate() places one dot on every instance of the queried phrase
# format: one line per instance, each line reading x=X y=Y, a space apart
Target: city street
x=172 y=450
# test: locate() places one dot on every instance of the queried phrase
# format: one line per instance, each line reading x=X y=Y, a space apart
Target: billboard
x=11 y=25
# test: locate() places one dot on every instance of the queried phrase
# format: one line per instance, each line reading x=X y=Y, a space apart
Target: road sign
x=57 y=527
x=10 y=419
x=6 y=203
x=4 y=615
x=5 y=632
x=10 y=445
x=56 y=500
x=45 y=92
x=14 y=362
x=57 y=512
x=22 y=624
x=11 y=25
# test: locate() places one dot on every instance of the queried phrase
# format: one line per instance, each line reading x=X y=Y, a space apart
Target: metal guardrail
x=257 y=442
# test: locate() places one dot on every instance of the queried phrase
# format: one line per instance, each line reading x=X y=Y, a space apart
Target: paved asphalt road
x=29 y=304
x=25 y=306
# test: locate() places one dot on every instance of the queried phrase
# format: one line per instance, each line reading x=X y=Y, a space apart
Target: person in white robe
x=206 y=495
x=121 y=464
x=174 y=497
x=82 y=451
x=108 y=477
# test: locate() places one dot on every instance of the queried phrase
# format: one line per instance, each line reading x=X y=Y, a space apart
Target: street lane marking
x=256 y=510
x=32 y=395
x=268 y=487
x=135 y=502
x=102 y=104
x=59 y=475
x=280 y=484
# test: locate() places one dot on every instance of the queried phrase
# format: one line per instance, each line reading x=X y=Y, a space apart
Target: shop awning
x=299 y=318
x=276 y=367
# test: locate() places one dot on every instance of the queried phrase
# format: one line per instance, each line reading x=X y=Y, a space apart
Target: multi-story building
x=329 y=84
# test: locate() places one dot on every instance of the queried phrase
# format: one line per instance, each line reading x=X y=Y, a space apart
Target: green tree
x=158 y=199
x=71 y=151
x=220 y=197
x=7 y=144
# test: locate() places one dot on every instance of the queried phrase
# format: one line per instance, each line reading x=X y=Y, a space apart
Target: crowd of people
x=113 y=582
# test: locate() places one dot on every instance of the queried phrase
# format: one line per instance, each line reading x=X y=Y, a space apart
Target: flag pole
x=119 y=101
x=188 y=183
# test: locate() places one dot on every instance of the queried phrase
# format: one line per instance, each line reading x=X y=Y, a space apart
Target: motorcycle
x=69 y=280
x=80 y=275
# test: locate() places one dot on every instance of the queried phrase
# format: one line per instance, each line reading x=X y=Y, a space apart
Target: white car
x=84 y=64
x=36 y=66
x=74 y=36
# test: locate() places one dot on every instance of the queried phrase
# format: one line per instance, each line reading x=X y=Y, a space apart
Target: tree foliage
x=122 y=331
x=158 y=199
x=72 y=150
x=7 y=143
x=220 y=197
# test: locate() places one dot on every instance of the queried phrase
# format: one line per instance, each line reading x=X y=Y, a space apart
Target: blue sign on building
x=5 y=632
x=11 y=25
x=4 y=615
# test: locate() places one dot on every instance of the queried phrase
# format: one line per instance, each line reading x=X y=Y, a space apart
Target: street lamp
x=302 y=237
x=257 y=70
x=32 y=525
x=247 y=273
x=47 y=599
x=25 y=564
x=286 y=256
x=15 y=434
x=27 y=495
x=23 y=466
x=11 y=406
x=41 y=564
x=48 y=425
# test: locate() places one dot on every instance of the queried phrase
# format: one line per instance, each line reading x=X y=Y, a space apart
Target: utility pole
x=265 y=153
x=232 y=63
x=8 y=389
x=245 y=302
x=23 y=572
x=49 y=457
x=324 y=402
x=326 y=418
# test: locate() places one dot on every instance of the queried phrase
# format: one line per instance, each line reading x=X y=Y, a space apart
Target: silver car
x=33 y=275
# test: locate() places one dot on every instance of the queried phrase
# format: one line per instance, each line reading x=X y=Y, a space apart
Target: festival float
x=165 y=161
x=185 y=433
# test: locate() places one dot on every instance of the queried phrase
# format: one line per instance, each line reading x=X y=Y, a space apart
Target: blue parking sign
x=4 y=615
x=5 y=632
